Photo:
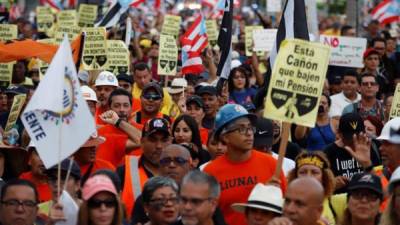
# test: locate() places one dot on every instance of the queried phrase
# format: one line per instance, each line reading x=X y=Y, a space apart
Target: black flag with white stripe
x=293 y=24
x=112 y=16
x=225 y=45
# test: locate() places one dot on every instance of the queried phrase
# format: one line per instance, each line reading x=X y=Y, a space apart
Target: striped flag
x=58 y=4
x=387 y=12
x=193 y=43
x=113 y=14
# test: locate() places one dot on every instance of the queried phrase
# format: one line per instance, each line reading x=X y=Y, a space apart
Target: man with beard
x=105 y=83
x=121 y=135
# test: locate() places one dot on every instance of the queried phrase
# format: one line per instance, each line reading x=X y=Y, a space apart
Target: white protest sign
x=345 y=51
x=70 y=209
x=274 y=5
x=264 y=39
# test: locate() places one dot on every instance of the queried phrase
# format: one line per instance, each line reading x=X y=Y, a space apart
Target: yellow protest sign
x=16 y=108
x=94 y=55
x=297 y=82
x=168 y=56
x=6 y=71
x=118 y=60
x=42 y=65
x=395 y=109
x=71 y=31
x=67 y=18
x=87 y=15
x=8 y=32
x=171 y=25
x=212 y=32
x=44 y=18
x=248 y=39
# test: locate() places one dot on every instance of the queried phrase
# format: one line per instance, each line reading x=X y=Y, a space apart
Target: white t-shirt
x=287 y=164
x=339 y=101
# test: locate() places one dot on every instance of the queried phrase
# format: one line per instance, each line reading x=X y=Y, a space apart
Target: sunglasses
x=152 y=97
x=177 y=161
x=96 y=203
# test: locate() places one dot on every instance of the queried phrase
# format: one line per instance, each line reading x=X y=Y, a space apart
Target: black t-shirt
x=343 y=164
x=292 y=150
x=208 y=123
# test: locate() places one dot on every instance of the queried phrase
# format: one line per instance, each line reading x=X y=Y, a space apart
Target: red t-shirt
x=42 y=188
x=97 y=165
x=99 y=111
x=113 y=149
x=203 y=135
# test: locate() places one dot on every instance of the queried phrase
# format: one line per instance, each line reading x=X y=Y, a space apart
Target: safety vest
x=379 y=171
x=135 y=178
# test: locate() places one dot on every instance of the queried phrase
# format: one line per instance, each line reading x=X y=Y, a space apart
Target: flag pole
x=282 y=150
x=78 y=63
x=59 y=159
x=68 y=172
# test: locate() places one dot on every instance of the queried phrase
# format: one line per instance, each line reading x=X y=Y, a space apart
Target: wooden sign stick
x=282 y=150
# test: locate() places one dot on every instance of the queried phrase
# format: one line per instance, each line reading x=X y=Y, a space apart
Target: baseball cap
x=154 y=86
x=125 y=77
x=195 y=99
x=211 y=90
x=106 y=78
x=178 y=85
x=366 y=181
x=96 y=184
x=350 y=124
x=369 y=52
x=88 y=93
x=156 y=125
x=16 y=90
x=264 y=133
x=64 y=166
x=390 y=131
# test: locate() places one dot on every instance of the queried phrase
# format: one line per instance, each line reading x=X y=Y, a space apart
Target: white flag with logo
x=57 y=118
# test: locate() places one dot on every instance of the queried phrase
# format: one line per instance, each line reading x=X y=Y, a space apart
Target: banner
x=168 y=56
x=395 y=109
x=212 y=32
x=67 y=18
x=264 y=39
x=87 y=15
x=16 y=108
x=297 y=81
x=8 y=32
x=94 y=55
x=44 y=18
x=345 y=51
x=171 y=25
x=118 y=60
x=248 y=32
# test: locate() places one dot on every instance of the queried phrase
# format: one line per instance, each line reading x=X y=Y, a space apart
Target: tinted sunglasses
x=96 y=203
x=152 y=97
x=177 y=161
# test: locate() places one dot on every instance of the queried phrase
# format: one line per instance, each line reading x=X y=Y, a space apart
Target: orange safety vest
x=135 y=178
x=378 y=170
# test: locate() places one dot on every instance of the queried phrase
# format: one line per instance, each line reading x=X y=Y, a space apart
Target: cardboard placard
x=345 y=51
x=72 y=32
x=395 y=109
x=168 y=56
x=297 y=81
x=212 y=32
x=6 y=71
x=8 y=32
x=16 y=108
x=44 y=18
x=171 y=25
x=94 y=55
x=264 y=39
x=118 y=60
x=248 y=33
x=42 y=65
x=87 y=15
x=67 y=18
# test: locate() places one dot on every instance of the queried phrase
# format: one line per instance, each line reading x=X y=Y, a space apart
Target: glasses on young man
x=152 y=97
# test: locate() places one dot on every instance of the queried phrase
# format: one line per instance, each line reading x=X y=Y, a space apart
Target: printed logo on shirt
x=238 y=181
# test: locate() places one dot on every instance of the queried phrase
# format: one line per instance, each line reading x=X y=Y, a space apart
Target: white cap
x=88 y=93
x=178 y=85
x=235 y=63
x=391 y=131
x=235 y=55
x=106 y=78
x=395 y=178
x=83 y=75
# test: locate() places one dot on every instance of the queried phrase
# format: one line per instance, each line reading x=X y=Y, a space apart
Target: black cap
x=16 y=90
x=264 y=133
x=156 y=125
x=125 y=77
x=350 y=124
x=195 y=99
x=154 y=86
x=211 y=90
x=337 y=79
x=75 y=170
x=366 y=181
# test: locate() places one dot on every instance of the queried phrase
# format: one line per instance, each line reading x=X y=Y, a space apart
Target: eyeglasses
x=15 y=203
x=158 y=202
x=242 y=130
x=359 y=195
x=152 y=97
x=194 y=201
x=368 y=83
x=177 y=161
x=96 y=203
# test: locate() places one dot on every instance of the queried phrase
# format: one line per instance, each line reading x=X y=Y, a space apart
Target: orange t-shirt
x=113 y=149
x=237 y=179
x=42 y=188
x=97 y=165
x=99 y=111
x=203 y=135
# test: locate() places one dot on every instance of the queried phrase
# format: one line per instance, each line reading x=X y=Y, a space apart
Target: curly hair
x=328 y=179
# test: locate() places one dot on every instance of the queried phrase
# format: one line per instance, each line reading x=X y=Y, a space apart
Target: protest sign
x=8 y=32
x=94 y=55
x=395 y=109
x=67 y=18
x=171 y=25
x=44 y=18
x=71 y=31
x=345 y=51
x=117 y=57
x=248 y=32
x=42 y=65
x=297 y=82
x=274 y=6
x=167 y=59
x=264 y=39
x=6 y=70
x=16 y=108
x=87 y=15
x=212 y=32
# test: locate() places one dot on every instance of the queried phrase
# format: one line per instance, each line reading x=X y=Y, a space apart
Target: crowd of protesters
x=179 y=151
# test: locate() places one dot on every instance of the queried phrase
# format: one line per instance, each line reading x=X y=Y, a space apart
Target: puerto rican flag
x=193 y=43
x=218 y=7
x=387 y=12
